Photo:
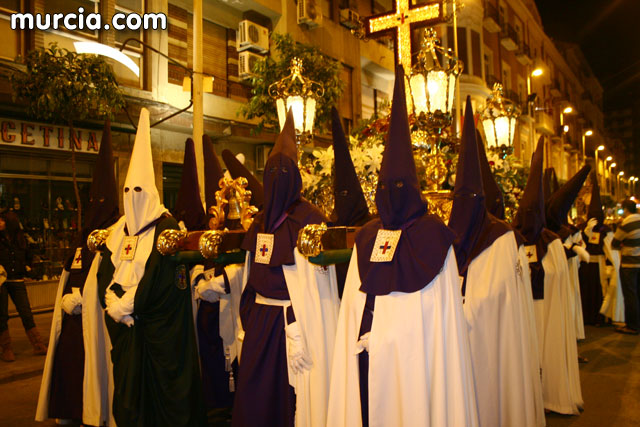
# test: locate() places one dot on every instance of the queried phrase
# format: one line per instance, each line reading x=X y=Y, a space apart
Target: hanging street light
x=432 y=85
x=499 y=119
x=432 y=82
x=299 y=94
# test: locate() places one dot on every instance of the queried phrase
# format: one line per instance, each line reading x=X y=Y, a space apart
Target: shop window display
x=40 y=191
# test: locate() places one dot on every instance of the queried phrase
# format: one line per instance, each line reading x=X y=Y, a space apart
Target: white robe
x=419 y=359
x=574 y=291
x=313 y=291
x=500 y=338
x=613 y=303
x=556 y=336
x=97 y=382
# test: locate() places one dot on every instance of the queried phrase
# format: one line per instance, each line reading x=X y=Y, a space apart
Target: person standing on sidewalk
x=15 y=258
x=627 y=241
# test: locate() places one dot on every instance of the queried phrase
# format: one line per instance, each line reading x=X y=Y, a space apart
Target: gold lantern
x=499 y=119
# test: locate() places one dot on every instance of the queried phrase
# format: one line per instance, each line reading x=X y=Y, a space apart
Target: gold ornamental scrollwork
x=233 y=197
x=97 y=239
x=310 y=239
x=209 y=243
x=169 y=240
x=440 y=203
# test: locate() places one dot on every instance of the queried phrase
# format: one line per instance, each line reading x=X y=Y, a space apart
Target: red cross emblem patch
x=264 y=248
x=532 y=253
x=77 y=260
x=385 y=245
x=129 y=245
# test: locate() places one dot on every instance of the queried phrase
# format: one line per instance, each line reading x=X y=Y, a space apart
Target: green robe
x=155 y=362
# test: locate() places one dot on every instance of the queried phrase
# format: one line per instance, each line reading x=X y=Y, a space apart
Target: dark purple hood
x=350 y=204
x=494 y=199
x=189 y=207
x=425 y=240
x=237 y=169
x=212 y=171
x=530 y=218
x=559 y=203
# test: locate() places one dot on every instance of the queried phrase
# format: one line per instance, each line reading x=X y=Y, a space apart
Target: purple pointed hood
x=595 y=205
x=398 y=196
x=350 y=204
x=530 y=218
x=282 y=180
x=212 y=171
x=424 y=241
x=493 y=197
x=559 y=203
x=237 y=169
x=189 y=207
x=550 y=183
x=103 y=195
x=469 y=218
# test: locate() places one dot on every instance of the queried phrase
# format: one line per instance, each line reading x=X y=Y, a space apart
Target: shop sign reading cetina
x=40 y=135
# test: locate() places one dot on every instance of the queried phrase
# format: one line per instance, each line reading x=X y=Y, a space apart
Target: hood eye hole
x=284 y=170
x=383 y=186
x=344 y=193
x=126 y=189
x=399 y=184
x=137 y=189
x=101 y=199
x=273 y=169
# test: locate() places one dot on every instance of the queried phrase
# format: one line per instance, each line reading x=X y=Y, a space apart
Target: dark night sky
x=608 y=32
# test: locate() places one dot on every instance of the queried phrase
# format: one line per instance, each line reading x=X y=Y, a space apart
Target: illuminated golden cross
x=400 y=21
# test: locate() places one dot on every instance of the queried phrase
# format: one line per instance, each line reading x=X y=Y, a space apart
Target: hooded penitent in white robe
x=505 y=366
x=556 y=336
x=313 y=291
x=97 y=386
x=419 y=360
x=575 y=305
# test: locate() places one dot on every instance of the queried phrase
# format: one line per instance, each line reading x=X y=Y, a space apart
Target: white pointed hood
x=141 y=199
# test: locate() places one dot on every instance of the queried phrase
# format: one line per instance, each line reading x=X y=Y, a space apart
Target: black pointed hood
x=189 y=207
x=237 y=169
x=468 y=212
x=550 y=183
x=350 y=205
x=398 y=196
x=103 y=208
x=424 y=240
x=595 y=206
x=530 y=218
x=493 y=197
x=212 y=171
x=282 y=180
x=559 y=203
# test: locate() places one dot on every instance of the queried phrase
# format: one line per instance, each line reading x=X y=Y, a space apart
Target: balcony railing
x=523 y=55
x=492 y=19
x=509 y=37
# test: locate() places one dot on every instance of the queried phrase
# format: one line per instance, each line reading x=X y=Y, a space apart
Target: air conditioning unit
x=309 y=13
x=349 y=18
x=246 y=60
x=252 y=36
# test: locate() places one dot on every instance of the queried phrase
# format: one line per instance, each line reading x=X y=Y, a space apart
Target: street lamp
x=499 y=120
x=299 y=94
x=589 y=132
x=568 y=110
x=620 y=175
x=605 y=170
x=610 y=181
x=432 y=85
x=535 y=73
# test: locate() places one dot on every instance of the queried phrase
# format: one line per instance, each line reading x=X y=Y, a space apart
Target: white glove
x=127 y=320
x=298 y=359
x=363 y=343
x=118 y=308
x=209 y=288
x=582 y=253
x=588 y=230
x=72 y=303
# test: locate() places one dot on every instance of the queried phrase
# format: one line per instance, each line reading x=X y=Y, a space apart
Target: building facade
x=498 y=41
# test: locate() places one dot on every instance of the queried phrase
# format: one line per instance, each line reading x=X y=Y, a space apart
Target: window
x=489 y=74
x=462 y=46
x=506 y=76
x=475 y=54
x=40 y=190
x=127 y=7
x=171 y=177
x=72 y=6
x=13 y=41
x=181 y=49
x=345 y=105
